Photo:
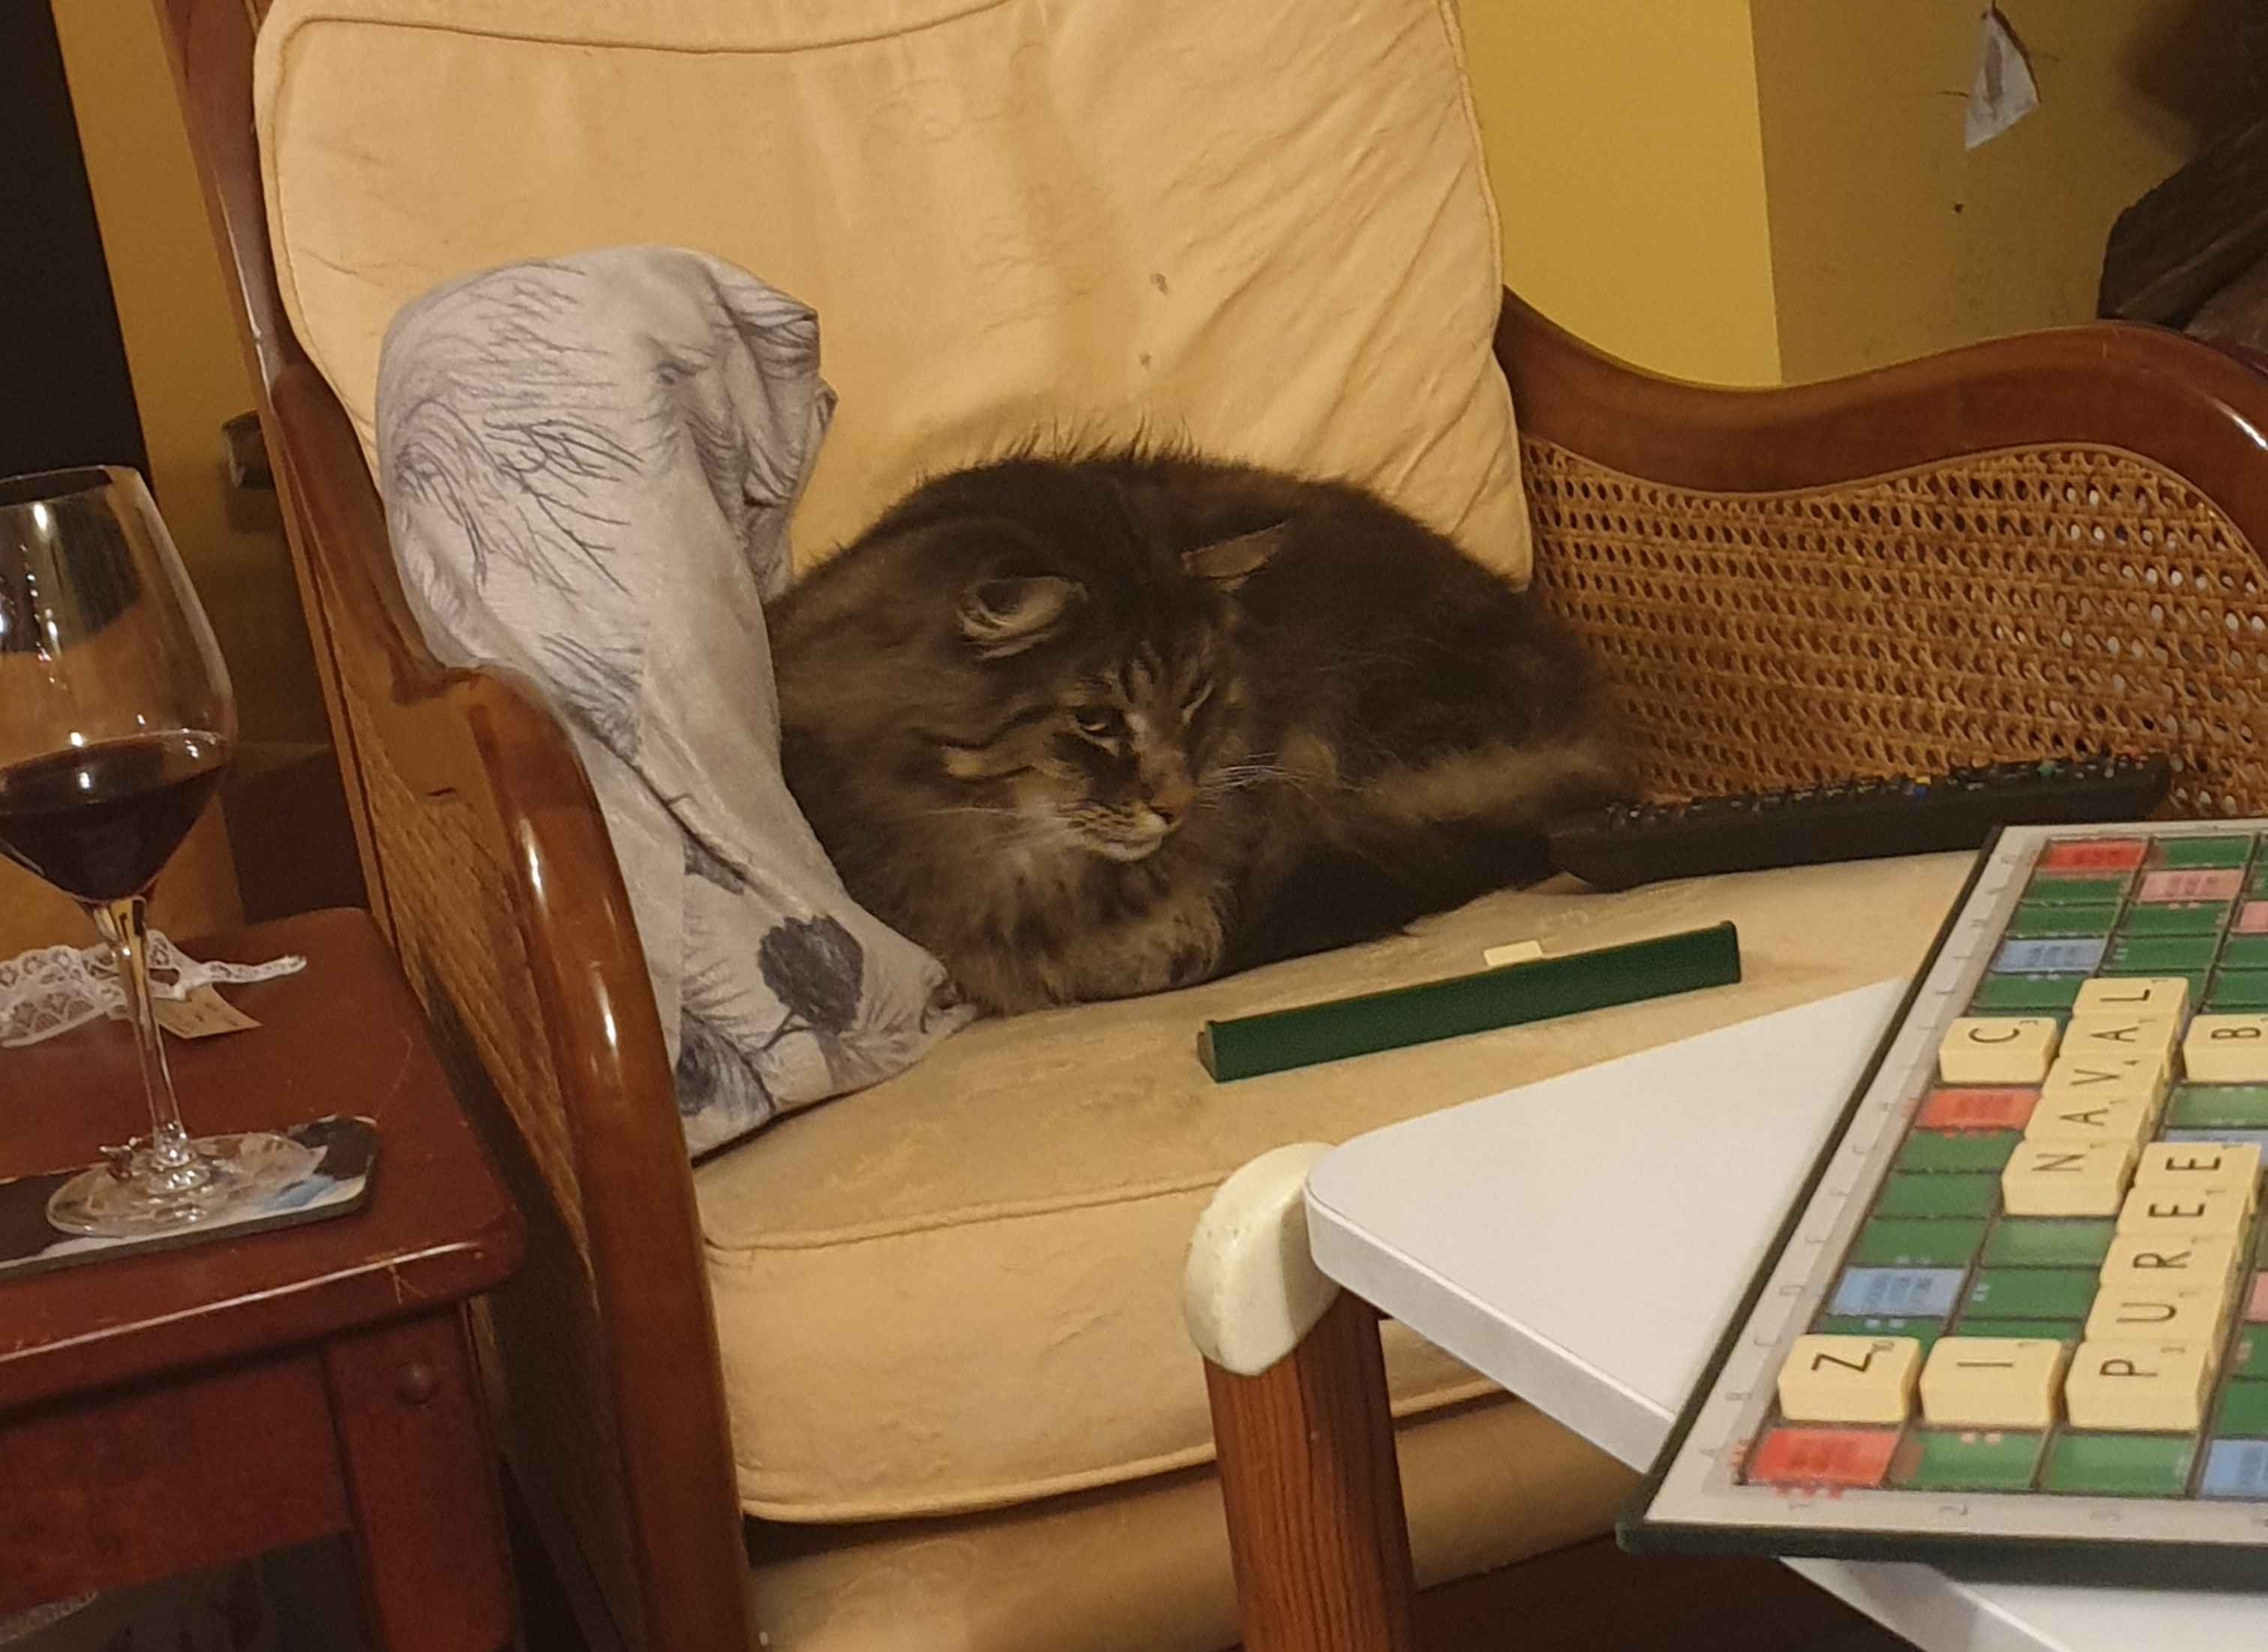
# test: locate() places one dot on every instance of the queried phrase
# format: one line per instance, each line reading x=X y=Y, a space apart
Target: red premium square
x=1977 y=1110
x=1822 y=1457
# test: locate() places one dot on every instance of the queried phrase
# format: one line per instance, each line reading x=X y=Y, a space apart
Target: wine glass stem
x=172 y=1165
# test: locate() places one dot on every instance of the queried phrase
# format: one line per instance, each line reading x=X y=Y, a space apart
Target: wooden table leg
x=1314 y=1495
x=428 y=1533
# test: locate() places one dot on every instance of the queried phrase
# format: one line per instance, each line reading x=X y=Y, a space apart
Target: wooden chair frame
x=637 y=1499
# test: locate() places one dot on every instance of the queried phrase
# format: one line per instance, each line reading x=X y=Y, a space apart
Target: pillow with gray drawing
x=587 y=465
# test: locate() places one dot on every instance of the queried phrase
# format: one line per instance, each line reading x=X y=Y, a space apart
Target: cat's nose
x=1171 y=800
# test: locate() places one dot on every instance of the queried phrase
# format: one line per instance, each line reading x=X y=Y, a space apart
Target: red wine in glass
x=100 y=822
x=117 y=724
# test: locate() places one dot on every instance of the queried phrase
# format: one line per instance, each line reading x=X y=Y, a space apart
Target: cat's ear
x=1007 y=615
x=1229 y=563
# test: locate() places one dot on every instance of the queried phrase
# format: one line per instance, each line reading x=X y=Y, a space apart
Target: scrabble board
x=2017 y=1321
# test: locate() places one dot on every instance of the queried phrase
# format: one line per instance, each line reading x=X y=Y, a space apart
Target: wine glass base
x=248 y=1172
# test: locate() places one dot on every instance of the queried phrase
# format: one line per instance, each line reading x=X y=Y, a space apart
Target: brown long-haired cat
x=1097 y=725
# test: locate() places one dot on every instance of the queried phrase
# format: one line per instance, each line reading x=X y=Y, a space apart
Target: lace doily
x=51 y=990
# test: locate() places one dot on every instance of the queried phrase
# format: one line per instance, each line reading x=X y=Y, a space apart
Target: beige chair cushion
x=1262 y=225
x=960 y=1289
x=1146 y=1568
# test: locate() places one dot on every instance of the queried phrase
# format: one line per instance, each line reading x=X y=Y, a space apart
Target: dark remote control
x=1860 y=819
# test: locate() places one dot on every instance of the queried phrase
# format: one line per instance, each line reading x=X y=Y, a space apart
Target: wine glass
x=116 y=723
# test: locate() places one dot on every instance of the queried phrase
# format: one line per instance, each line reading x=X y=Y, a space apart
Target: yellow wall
x=1623 y=145
x=1888 y=241
x=181 y=347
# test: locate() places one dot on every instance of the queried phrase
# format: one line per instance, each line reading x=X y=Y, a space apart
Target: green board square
x=1891 y=1241
x=1926 y=1331
x=1966 y=1460
x=2177 y=917
x=2238 y=989
x=2048 y=1242
x=2069 y=1331
x=2031 y=921
x=2248 y=1359
x=2228 y=1106
x=2205 y=852
x=1918 y=1194
x=1957 y=1149
x=2167 y=955
x=2028 y=992
x=2046 y=889
x=2245 y=952
x=2031 y=1294
x=2195 y=978
x=2244 y=1411
x=2120 y=1464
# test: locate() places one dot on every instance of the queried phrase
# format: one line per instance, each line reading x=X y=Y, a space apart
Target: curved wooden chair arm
x=1297 y=1385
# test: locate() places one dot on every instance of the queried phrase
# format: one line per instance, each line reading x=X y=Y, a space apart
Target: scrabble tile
x=2160 y=995
x=1891 y=1242
x=1820 y=1457
x=2034 y=921
x=2226 y=1049
x=2162 y=1210
x=2244 y=1410
x=2049 y=957
x=1967 y=1460
x=1897 y=1293
x=1992 y=1382
x=2082 y=1119
x=2078 y=888
x=2029 y=1293
x=2219 y=884
x=1916 y=1193
x=2214 y=850
x=2220 y=1166
x=2238 y=991
x=2256 y=1300
x=1957 y=1150
x=2093 y=854
x=2100 y=1033
x=2173 y=917
x=2006 y=1107
x=2192 y=980
x=2173 y=954
x=2119 y=1465
x=2248 y=1359
x=1923 y=1331
x=2030 y=1242
x=1849 y=1379
x=2235 y=1470
x=2182 y=1313
x=1997 y=1050
x=2242 y=1105
x=2065 y=1178
x=2151 y=1259
x=2138 y=1387
x=2251 y=918
x=1996 y=994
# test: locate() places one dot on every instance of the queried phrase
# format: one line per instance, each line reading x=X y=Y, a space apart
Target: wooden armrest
x=2038 y=546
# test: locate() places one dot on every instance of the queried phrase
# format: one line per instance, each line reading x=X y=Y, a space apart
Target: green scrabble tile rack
x=2021 y=1310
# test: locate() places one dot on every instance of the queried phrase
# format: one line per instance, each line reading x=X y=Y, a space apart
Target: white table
x=1583 y=1242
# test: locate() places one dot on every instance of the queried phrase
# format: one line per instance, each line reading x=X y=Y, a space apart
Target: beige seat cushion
x=1146 y=1568
x=1263 y=226
x=960 y=1289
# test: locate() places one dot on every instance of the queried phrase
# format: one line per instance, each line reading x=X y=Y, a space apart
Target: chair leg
x=1300 y=1421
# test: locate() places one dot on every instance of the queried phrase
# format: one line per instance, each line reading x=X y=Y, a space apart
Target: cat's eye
x=1098 y=722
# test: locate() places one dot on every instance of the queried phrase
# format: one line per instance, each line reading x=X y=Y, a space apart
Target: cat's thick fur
x=1093 y=726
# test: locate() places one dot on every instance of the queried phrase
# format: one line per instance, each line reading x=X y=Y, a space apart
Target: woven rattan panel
x=459 y=937
x=2004 y=605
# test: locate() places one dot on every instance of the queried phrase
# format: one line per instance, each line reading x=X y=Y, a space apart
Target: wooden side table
x=176 y=1411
